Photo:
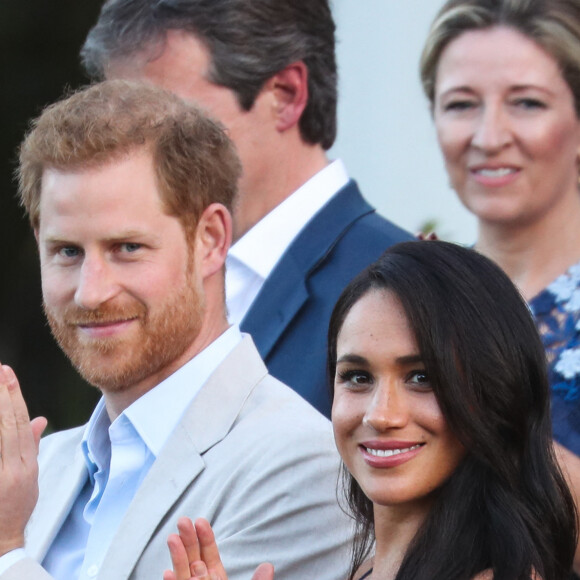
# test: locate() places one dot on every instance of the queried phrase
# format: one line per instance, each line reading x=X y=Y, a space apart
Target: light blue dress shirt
x=118 y=457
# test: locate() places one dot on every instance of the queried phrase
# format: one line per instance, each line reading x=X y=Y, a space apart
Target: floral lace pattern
x=557 y=313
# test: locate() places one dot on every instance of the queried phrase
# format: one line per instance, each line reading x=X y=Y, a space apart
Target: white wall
x=385 y=133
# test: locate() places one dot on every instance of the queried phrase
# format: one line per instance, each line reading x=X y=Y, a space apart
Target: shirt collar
x=95 y=444
x=264 y=244
x=165 y=403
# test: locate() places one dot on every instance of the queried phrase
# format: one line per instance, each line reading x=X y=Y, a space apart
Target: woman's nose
x=492 y=132
x=388 y=408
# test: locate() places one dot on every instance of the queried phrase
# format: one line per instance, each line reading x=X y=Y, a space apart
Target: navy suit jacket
x=289 y=318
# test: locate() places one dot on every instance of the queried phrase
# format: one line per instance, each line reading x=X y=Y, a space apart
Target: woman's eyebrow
x=352 y=358
x=409 y=359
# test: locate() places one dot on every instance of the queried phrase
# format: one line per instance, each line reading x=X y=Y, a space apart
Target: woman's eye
x=419 y=378
x=354 y=377
x=462 y=105
x=529 y=103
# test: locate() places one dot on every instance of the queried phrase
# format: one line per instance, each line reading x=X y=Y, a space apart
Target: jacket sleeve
x=26 y=568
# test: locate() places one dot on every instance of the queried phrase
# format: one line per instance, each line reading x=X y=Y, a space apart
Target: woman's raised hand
x=195 y=554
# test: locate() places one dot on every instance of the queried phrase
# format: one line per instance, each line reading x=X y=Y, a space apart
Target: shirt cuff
x=10 y=558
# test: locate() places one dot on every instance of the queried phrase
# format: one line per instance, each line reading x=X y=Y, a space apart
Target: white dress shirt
x=253 y=257
x=118 y=456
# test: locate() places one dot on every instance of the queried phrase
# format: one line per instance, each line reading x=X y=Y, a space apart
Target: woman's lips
x=385 y=454
x=494 y=176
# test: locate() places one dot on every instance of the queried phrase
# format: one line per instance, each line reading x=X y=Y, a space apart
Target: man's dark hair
x=249 y=42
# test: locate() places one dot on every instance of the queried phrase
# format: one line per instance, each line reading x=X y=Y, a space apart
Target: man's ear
x=213 y=237
x=290 y=90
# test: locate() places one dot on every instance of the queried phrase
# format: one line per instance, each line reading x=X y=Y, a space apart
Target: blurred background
x=39 y=44
x=385 y=138
x=385 y=132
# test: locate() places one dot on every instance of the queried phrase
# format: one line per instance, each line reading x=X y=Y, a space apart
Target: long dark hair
x=506 y=508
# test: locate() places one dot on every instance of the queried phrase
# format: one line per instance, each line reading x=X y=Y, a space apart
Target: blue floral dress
x=557 y=313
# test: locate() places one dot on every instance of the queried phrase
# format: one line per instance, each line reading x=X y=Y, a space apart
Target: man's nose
x=96 y=283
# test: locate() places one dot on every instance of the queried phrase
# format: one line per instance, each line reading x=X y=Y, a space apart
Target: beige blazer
x=249 y=455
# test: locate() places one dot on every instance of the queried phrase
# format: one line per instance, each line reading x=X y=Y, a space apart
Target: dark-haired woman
x=441 y=416
x=503 y=80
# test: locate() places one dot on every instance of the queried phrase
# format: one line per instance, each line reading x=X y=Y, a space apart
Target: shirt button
x=92 y=571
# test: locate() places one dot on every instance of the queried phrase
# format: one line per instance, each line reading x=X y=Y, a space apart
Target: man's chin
x=107 y=368
x=113 y=381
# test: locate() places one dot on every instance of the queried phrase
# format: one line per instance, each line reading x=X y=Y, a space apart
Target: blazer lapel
x=286 y=289
x=64 y=478
x=180 y=460
x=171 y=473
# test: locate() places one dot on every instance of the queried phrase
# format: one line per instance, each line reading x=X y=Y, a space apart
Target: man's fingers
x=25 y=442
x=9 y=444
x=19 y=437
x=19 y=465
x=38 y=426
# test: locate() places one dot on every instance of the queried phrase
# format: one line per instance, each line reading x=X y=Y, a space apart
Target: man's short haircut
x=194 y=160
x=249 y=42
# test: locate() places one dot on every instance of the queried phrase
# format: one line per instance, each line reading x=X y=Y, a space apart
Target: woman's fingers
x=185 y=554
x=264 y=571
x=209 y=549
x=195 y=554
x=179 y=559
x=199 y=571
x=188 y=535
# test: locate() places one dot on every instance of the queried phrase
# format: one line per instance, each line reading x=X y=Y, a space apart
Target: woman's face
x=388 y=426
x=507 y=127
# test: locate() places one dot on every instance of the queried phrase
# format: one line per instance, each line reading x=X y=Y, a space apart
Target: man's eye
x=130 y=246
x=69 y=252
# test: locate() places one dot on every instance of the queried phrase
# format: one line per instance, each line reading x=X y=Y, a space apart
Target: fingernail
x=199 y=569
x=9 y=377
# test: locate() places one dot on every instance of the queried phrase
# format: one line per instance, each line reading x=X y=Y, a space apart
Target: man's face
x=182 y=68
x=121 y=290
